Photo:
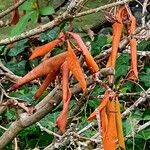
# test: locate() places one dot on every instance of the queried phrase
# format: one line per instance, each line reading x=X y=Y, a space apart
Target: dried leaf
x=110 y=140
x=75 y=68
x=117 y=31
x=119 y=125
x=133 y=74
x=49 y=78
x=101 y=106
x=51 y=65
x=62 y=119
x=42 y=50
x=87 y=56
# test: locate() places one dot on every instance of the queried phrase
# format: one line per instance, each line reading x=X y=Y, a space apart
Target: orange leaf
x=49 y=78
x=117 y=31
x=88 y=58
x=133 y=74
x=110 y=140
x=15 y=15
x=75 y=68
x=65 y=84
x=62 y=119
x=101 y=106
x=51 y=65
x=119 y=125
x=42 y=50
x=104 y=122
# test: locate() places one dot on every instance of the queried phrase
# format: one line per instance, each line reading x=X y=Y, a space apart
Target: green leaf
x=49 y=35
x=28 y=5
x=17 y=67
x=2 y=49
x=21 y=25
x=145 y=134
x=122 y=65
x=49 y=120
x=10 y=114
x=47 y=10
x=144 y=77
x=146 y=114
x=143 y=45
x=98 y=43
x=19 y=47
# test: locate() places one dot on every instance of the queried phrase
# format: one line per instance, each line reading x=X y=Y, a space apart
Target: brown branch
x=43 y=108
x=68 y=14
x=74 y=4
x=95 y=10
x=10 y=9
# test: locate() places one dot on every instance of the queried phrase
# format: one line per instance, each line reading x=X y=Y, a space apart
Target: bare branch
x=8 y=10
x=68 y=14
x=139 y=101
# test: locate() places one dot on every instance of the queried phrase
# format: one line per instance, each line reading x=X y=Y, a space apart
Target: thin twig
x=139 y=101
x=144 y=10
x=10 y=9
x=48 y=131
x=57 y=21
x=95 y=10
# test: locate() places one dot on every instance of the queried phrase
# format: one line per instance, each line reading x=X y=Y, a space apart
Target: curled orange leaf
x=65 y=84
x=42 y=50
x=51 y=65
x=49 y=78
x=75 y=68
x=117 y=32
x=88 y=58
x=101 y=106
x=119 y=125
x=110 y=140
x=62 y=119
x=133 y=74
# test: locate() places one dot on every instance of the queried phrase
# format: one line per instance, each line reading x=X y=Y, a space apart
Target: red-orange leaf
x=75 y=68
x=104 y=122
x=117 y=31
x=49 y=78
x=65 y=84
x=133 y=74
x=62 y=119
x=88 y=58
x=51 y=65
x=119 y=125
x=101 y=106
x=110 y=140
x=15 y=15
x=42 y=50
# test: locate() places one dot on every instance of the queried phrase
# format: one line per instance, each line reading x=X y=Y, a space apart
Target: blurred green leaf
x=122 y=65
x=146 y=114
x=23 y=22
x=17 y=67
x=47 y=10
x=19 y=47
x=98 y=43
x=145 y=134
x=145 y=77
x=143 y=45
